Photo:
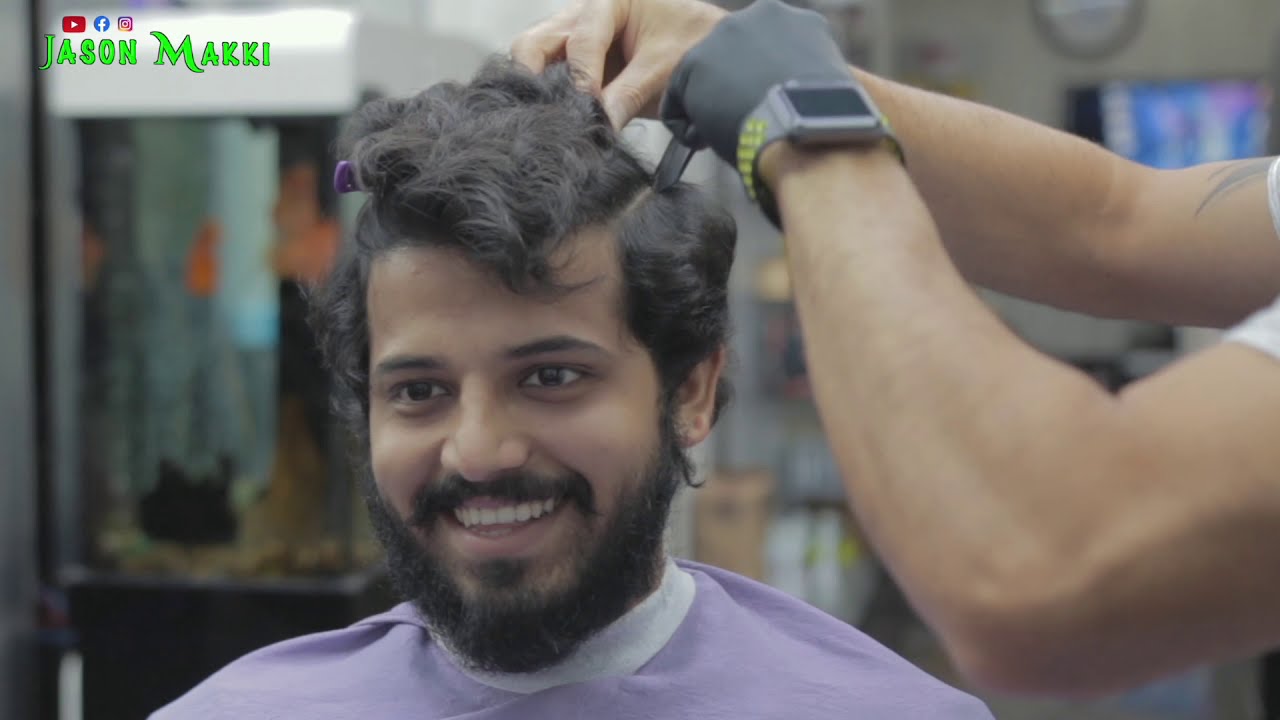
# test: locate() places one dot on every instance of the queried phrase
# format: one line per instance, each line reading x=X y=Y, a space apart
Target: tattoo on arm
x=1233 y=177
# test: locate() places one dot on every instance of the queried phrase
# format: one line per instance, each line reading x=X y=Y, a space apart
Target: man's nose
x=484 y=441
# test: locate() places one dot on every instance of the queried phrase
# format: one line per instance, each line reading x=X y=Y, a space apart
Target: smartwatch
x=808 y=113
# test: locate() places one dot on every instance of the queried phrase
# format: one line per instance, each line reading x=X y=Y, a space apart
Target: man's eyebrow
x=541 y=346
x=396 y=363
x=553 y=344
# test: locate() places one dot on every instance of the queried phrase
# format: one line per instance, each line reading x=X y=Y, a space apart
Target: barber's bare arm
x=1041 y=214
x=1023 y=208
x=1060 y=539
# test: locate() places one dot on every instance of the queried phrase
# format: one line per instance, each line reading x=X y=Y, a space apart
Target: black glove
x=724 y=77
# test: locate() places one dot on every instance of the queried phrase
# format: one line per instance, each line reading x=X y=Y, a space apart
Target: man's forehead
x=416 y=282
x=587 y=258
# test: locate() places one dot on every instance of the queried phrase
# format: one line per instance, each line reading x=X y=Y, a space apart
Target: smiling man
x=527 y=339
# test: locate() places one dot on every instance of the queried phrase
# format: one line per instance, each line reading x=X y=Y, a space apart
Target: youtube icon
x=73 y=24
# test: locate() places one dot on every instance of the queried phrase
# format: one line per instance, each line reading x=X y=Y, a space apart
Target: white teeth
x=505 y=515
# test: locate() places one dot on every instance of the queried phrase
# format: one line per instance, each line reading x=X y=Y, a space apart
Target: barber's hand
x=646 y=37
x=724 y=77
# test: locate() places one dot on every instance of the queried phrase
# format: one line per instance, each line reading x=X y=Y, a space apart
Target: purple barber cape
x=708 y=644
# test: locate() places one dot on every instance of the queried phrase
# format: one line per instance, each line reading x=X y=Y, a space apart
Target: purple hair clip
x=344 y=177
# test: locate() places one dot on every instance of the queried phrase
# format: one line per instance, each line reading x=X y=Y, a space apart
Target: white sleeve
x=1262 y=329
x=1273 y=193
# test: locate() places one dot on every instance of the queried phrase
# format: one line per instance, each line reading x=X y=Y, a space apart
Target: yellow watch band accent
x=752 y=137
x=891 y=139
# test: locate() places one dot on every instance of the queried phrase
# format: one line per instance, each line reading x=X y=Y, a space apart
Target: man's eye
x=416 y=391
x=552 y=376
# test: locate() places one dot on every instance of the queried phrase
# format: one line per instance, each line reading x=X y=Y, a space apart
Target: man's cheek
x=396 y=466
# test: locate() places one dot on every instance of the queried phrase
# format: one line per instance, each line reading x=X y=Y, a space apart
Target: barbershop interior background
x=173 y=491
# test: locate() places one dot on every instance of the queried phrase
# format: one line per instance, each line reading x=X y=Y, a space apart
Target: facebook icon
x=101 y=23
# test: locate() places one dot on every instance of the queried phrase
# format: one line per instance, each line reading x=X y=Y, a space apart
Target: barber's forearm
x=936 y=418
x=1023 y=208
x=1035 y=212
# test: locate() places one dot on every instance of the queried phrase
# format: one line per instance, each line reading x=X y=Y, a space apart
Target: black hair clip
x=673 y=164
x=344 y=178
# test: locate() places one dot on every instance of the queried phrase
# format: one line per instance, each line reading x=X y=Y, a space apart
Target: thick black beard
x=513 y=628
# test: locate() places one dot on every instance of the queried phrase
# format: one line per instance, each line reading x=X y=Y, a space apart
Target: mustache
x=514 y=486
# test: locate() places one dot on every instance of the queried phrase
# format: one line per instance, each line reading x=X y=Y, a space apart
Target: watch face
x=827 y=102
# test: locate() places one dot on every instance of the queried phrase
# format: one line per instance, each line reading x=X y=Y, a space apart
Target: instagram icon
x=125 y=24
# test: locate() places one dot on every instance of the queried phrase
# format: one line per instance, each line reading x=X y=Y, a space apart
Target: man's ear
x=696 y=399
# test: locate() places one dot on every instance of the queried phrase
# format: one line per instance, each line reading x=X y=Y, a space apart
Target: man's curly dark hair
x=506 y=168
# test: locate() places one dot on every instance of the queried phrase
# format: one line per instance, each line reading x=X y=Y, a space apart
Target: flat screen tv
x=1174 y=123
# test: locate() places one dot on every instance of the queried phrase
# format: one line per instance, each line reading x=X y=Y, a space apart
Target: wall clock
x=1088 y=29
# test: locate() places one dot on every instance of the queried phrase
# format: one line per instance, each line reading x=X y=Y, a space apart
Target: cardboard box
x=733 y=512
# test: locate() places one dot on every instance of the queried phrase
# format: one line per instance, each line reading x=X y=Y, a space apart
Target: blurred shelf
x=78 y=575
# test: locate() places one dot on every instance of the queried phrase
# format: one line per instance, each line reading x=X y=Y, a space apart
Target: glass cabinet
x=206 y=446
